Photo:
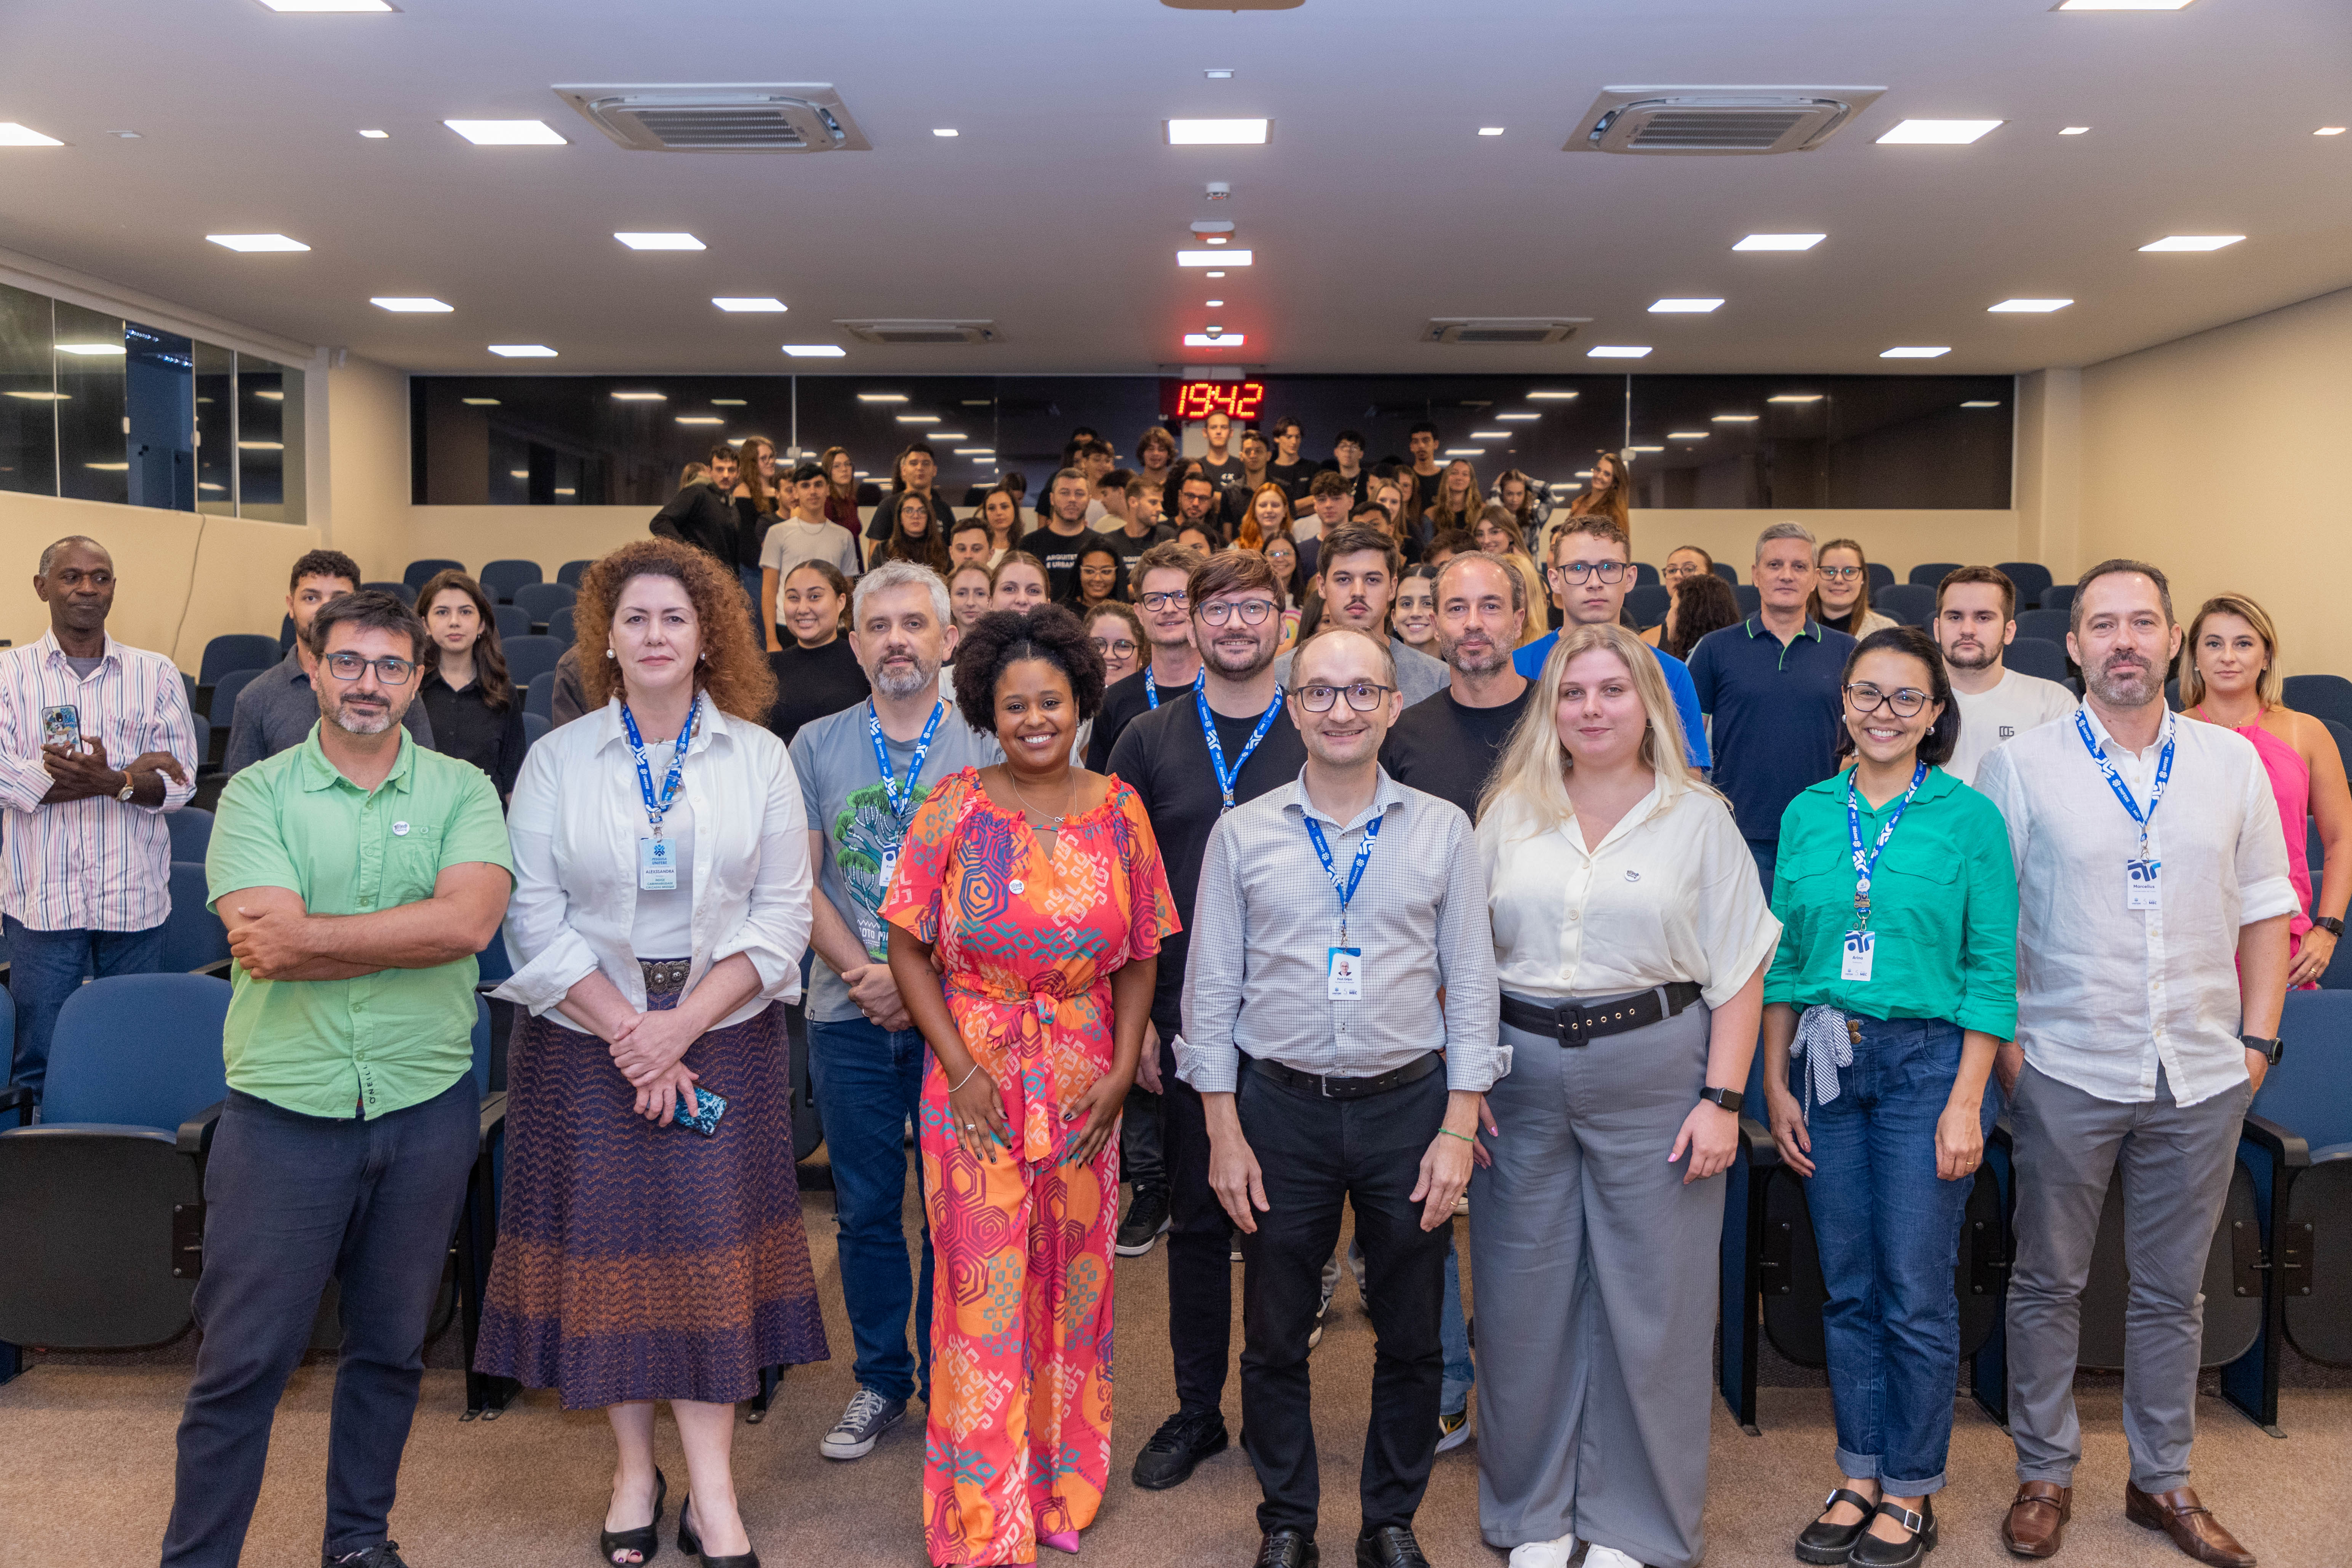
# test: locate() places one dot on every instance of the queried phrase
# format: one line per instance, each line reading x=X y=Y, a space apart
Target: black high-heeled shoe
x=645 y=1541
x=691 y=1544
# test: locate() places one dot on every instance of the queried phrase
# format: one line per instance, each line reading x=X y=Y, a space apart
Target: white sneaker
x=1608 y=1557
x=1545 y=1554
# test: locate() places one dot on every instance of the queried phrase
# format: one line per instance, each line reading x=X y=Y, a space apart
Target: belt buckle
x=1569 y=1022
x=1323 y=1083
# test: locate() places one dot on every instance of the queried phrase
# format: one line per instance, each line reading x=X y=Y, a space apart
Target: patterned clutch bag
x=704 y=1114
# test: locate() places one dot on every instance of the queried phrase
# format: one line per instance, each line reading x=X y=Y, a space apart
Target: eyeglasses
x=1121 y=647
x=1839 y=574
x=1254 y=611
x=1905 y=701
x=351 y=665
x=1363 y=697
x=1178 y=599
x=1577 y=570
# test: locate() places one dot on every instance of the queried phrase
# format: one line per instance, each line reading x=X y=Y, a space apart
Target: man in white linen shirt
x=1976 y=618
x=2152 y=958
x=1332 y=917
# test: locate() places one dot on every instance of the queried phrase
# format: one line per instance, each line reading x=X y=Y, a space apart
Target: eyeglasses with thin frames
x=1178 y=599
x=1121 y=647
x=1839 y=574
x=1363 y=696
x=1903 y=701
x=1577 y=570
x=351 y=665
x=1254 y=611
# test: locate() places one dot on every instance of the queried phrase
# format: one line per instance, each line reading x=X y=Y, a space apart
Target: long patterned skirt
x=637 y=1261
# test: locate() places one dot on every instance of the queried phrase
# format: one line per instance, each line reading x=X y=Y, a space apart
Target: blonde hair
x=2266 y=685
x=1527 y=795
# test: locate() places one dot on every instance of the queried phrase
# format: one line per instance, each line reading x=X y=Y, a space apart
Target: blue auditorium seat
x=195 y=940
x=405 y=592
x=540 y=601
x=572 y=571
x=192 y=832
x=2050 y=626
x=499 y=579
x=1647 y=604
x=1913 y=603
x=2032 y=579
x=540 y=695
x=1881 y=576
x=1727 y=572
x=528 y=658
x=2033 y=656
x=559 y=626
x=512 y=621
x=1750 y=599
x=2321 y=696
x=420 y=573
x=1927 y=573
x=2058 y=596
x=533 y=729
x=235 y=650
x=1644 y=575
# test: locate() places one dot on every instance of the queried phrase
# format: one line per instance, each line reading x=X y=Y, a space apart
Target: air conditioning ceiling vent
x=1503 y=330
x=1717 y=119
x=796 y=117
x=924 y=332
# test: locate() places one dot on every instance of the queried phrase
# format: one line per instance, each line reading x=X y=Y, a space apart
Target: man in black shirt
x=1347 y=460
x=1292 y=472
x=1224 y=468
x=1256 y=455
x=1196 y=505
x=1057 y=544
x=1162 y=577
x=1447 y=744
x=703 y=515
x=1422 y=443
x=917 y=469
x=1165 y=757
x=1140 y=527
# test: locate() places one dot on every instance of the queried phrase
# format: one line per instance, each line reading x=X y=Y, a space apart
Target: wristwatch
x=1729 y=1099
x=129 y=782
x=2329 y=924
x=2271 y=1049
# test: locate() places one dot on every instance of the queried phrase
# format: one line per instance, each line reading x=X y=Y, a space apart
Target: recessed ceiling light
x=1688 y=434
x=269 y=396
x=124 y=135
x=1490 y=129
x=1222 y=341
x=522 y=351
x=284 y=6
x=641 y=398
x=2120 y=6
x=1795 y=397
x=1982 y=403
x=731 y=403
x=1213 y=259
x=1212 y=304
x=946 y=436
x=816 y=351
x=1914 y=352
x=660 y=241
x=54 y=397
x=1580 y=473
x=1217 y=239
x=1518 y=418
x=2074 y=131
x=1617 y=351
x=479 y=402
x=1643 y=449
x=1780 y=242
x=91 y=351
x=2030 y=307
x=1217 y=133
x=919 y=419
x=767 y=303
x=975 y=451
x=1465 y=452
x=377 y=135
x=1684 y=307
x=2194 y=242
x=945 y=131
x=1490 y=435
x=881 y=397
x=517 y=473
x=561 y=491
x=2329 y=130
x=261 y=446
x=1939 y=133
x=701 y=419
x=1737 y=418
x=413 y=303
x=1550 y=398
x=1216 y=275
x=253 y=242
x=14 y=135
x=1219 y=73
x=107 y=468
x=506 y=133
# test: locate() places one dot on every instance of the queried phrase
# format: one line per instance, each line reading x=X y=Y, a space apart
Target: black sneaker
x=383 y=1554
x=1175 y=1450
x=1145 y=1222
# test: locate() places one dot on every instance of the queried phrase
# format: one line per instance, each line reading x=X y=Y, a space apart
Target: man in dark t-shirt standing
x=1057 y=544
x=1162 y=577
x=1447 y=744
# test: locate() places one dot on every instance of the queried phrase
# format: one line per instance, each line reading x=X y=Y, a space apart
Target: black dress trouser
x=1199 y=1238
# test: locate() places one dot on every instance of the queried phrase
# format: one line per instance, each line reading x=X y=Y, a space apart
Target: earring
x=608 y=653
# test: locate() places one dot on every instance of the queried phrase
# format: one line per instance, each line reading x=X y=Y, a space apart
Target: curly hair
x=1001 y=637
x=732 y=669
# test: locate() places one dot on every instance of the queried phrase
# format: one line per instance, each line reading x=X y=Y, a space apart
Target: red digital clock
x=1239 y=399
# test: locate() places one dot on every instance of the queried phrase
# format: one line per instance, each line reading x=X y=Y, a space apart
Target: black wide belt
x=1345 y=1088
x=1574 y=1024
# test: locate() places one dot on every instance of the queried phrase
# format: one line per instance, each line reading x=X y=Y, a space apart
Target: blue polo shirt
x=1776 y=713
x=1529 y=661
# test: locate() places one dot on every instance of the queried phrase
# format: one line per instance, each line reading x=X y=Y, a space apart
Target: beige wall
x=2220 y=457
x=365 y=452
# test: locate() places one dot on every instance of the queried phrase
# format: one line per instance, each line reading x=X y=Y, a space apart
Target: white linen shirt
x=574 y=823
x=2105 y=994
x=1669 y=894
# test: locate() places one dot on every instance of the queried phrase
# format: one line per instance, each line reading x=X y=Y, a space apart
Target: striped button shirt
x=95 y=864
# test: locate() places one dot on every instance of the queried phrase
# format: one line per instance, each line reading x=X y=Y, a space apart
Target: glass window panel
x=979 y=415
x=93 y=424
x=268 y=441
x=159 y=393
x=28 y=395
x=215 y=387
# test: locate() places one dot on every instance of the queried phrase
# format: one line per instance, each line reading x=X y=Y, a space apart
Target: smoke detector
x=1716 y=119
x=924 y=333
x=793 y=117
x=1489 y=330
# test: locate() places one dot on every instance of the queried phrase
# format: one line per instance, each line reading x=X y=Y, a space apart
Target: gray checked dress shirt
x=1268 y=916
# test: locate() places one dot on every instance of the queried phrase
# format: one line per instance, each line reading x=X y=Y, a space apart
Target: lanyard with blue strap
x=1825 y=1036
x=1346 y=890
x=1225 y=776
x=656 y=868
x=900 y=796
x=1866 y=861
x=2139 y=872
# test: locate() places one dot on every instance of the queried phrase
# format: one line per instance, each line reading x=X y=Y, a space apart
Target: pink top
x=2291 y=783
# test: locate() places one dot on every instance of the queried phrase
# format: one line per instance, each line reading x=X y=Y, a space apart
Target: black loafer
x=1870 y=1551
x=1391 y=1546
x=1177 y=1449
x=1287 y=1549
x=1832 y=1544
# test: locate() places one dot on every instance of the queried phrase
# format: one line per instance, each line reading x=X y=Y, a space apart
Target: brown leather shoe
x=2036 y=1525
x=2191 y=1524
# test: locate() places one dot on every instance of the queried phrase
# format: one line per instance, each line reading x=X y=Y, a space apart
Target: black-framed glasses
x=1254 y=611
x=1577 y=570
x=1906 y=701
x=1839 y=574
x=1363 y=696
x=1178 y=598
x=1115 y=648
x=351 y=667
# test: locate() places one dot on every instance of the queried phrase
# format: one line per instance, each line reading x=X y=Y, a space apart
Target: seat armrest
x=494 y=1116
x=18 y=1098
x=1757 y=1140
x=220 y=969
x=2287 y=1148
x=196 y=1132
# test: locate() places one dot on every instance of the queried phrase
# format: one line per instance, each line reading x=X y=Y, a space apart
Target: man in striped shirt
x=89 y=882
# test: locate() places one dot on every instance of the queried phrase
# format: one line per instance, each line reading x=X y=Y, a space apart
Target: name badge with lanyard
x=901 y=798
x=1861 y=942
x=1225 y=776
x=2140 y=869
x=656 y=858
x=1344 y=979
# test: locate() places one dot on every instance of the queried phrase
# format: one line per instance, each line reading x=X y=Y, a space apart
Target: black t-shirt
x=464 y=726
x=1293 y=478
x=1441 y=748
x=1363 y=481
x=878 y=527
x=1123 y=703
x=1164 y=760
x=1224 y=475
x=1060 y=553
x=1129 y=546
x=811 y=682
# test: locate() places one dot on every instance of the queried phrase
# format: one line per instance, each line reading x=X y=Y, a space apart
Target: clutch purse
x=703 y=1114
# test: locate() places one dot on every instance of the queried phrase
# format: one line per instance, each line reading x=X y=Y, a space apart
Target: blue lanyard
x=2116 y=780
x=1151 y=691
x=1226 y=775
x=656 y=809
x=900 y=798
x=1346 y=890
x=1866 y=862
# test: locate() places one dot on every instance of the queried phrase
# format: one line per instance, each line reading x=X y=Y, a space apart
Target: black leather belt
x=1574 y=1024
x=1345 y=1088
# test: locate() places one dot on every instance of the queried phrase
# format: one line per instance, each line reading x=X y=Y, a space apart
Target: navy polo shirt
x=1776 y=713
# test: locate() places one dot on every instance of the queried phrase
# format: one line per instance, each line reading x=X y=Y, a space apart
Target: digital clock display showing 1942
x=1239 y=399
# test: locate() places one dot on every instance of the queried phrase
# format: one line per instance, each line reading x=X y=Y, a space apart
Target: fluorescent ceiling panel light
x=1218 y=132
x=49 y=396
x=14 y=135
x=741 y=302
x=660 y=241
x=2194 y=242
x=2074 y=131
x=1645 y=448
x=479 y=402
x=208 y=485
x=975 y=451
x=2029 y=307
x=1465 y=452
x=1796 y=398
x=107 y=468
x=2120 y=6
x=270 y=396
x=1518 y=418
x=413 y=304
x=641 y=398
x=1490 y=130
x=311 y=6
x=1938 y=132
x=1982 y=403
x=254 y=242
x=1222 y=341
x=1212 y=304
x=1617 y=351
x=1915 y=353
x=261 y=446
x=1580 y=473
x=1490 y=435
x=918 y=418
x=1550 y=398
x=1684 y=307
x=377 y=135
x=1737 y=418
x=517 y=473
x=1213 y=259
x=731 y=403
x=91 y=351
x=881 y=397
x=1780 y=242
x=1216 y=275
x=2329 y=130
x=975 y=401
x=563 y=491
x=506 y=133
x=946 y=436
x=1688 y=434
x=522 y=351
x=945 y=131
x=701 y=419
x=1219 y=73
x=816 y=351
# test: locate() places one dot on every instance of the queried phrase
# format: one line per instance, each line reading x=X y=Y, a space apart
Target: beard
x=363 y=721
x=1478 y=656
x=1234 y=664
x=2133 y=685
x=1980 y=658
x=905 y=682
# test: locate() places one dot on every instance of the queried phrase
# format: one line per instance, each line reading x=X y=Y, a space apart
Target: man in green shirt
x=358 y=875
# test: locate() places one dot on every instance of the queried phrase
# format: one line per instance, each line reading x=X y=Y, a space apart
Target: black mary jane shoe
x=1832 y=1544
x=645 y=1541
x=691 y=1544
x=1871 y=1551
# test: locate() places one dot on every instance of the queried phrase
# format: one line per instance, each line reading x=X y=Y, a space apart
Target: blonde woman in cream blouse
x=1631 y=941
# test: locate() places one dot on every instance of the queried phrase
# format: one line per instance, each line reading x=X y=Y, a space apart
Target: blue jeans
x=44 y=967
x=867 y=1082
x=1453 y=1337
x=1889 y=1234
x=1767 y=855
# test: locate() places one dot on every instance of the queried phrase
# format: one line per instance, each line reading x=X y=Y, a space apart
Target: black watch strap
x=2329 y=924
x=1731 y=1100
x=2270 y=1047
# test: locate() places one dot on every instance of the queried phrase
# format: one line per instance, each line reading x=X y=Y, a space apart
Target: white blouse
x=1670 y=894
x=574 y=823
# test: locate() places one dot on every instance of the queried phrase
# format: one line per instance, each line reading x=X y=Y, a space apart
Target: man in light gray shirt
x=1359 y=567
x=1332 y=917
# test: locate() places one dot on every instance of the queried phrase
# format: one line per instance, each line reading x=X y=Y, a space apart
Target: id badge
x=2139 y=884
x=61 y=727
x=1346 y=979
x=656 y=865
x=1861 y=947
x=889 y=866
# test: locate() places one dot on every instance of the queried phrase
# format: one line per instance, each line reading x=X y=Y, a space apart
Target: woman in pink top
x=2229 y=677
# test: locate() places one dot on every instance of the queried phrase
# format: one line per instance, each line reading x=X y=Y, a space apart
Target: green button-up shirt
x=1943 y=901
x=376 y=1044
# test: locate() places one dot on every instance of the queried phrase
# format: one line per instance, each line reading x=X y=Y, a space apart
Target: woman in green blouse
x=1898 y=903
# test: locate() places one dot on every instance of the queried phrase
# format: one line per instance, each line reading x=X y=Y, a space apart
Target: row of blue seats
x=502 y=580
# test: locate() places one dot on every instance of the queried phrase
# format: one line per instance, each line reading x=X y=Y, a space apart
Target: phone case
x=61 y=727
x=704 y=1115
